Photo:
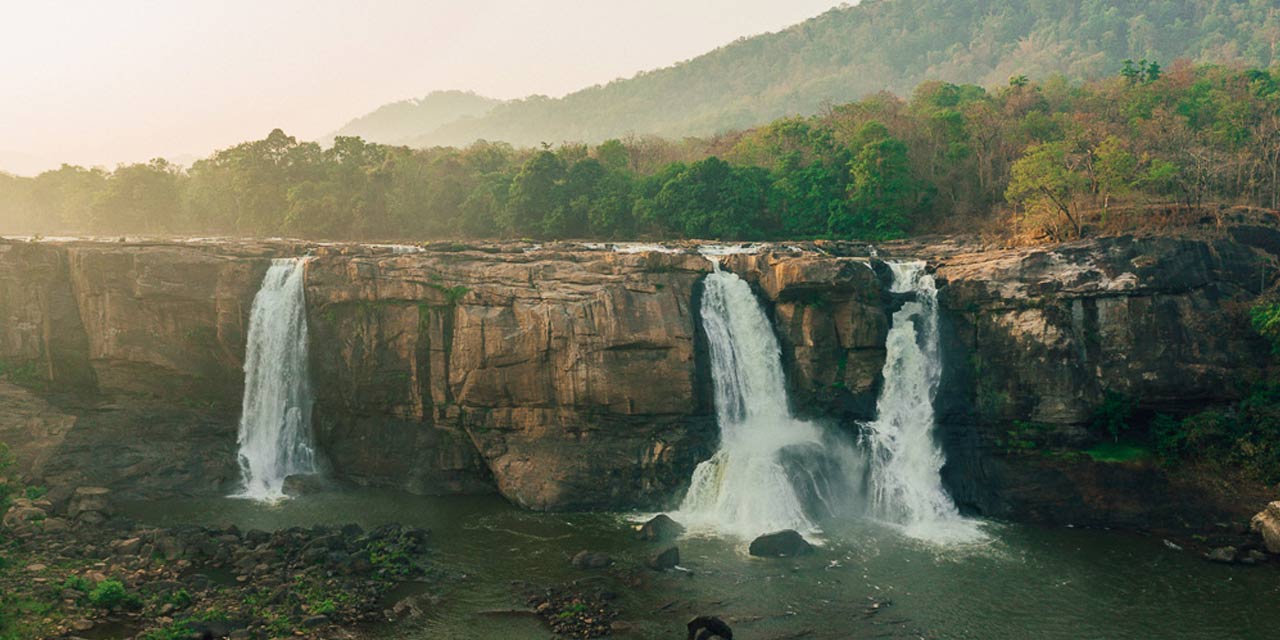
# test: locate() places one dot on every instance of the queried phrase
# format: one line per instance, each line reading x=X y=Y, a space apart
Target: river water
x=1019 y=582
x=897 y=559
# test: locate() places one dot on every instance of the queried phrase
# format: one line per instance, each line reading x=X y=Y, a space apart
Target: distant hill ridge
x=404 y=121
x=847 y=53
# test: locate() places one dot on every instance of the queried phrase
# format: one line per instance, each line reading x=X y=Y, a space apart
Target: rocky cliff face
x=1038 y=339
x=570 y=377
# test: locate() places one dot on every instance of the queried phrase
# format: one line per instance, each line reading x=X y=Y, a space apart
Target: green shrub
x=1113 y=415
x=76 y=582
x=1244 y=438
x=180 y=598
x=176 y=630
x=111 y=594
x=1265 y=318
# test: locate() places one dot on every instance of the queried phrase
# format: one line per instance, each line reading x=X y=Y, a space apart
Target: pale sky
x=97 y=82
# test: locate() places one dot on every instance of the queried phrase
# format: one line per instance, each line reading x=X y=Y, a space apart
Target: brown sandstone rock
x=1267 y=524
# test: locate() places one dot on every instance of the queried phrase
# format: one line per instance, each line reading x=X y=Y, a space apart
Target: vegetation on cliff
x=1149 y=146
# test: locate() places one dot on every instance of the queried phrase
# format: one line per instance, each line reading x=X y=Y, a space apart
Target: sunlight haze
x=101 y=83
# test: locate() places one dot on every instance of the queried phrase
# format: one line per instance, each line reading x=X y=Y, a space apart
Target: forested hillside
x=402 y=122
x=1146 y=146
x=893 y=45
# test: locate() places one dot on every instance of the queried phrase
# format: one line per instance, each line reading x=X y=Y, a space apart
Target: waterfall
x=275 y=419
x=905 y=482
x=771 y=471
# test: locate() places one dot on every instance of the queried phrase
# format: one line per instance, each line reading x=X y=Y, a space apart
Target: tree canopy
x=1049 y=158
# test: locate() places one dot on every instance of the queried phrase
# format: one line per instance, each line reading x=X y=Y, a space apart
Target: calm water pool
x=1021 y=582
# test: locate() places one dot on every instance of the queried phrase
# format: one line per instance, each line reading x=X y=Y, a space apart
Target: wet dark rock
x=305 y=484
x=591 y=560
x=666 y=559
x=781 y=544
x=708 y=627
x=1251 y=557
x=660 y=528
x=1222 y=555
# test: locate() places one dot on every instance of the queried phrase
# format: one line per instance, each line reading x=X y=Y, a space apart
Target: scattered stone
x=56 y=525
x=574 y=614
x=591 y=560
x=315 y=621
x=660 y=528
x=781 y=544
x=666 y=559
x=1251 y=557
x=1222 y=555
x=81 y=625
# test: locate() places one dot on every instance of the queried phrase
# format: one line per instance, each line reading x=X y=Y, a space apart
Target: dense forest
x=1043 y=159
x=852 y=52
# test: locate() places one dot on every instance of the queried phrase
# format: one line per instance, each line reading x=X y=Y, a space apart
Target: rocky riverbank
x=69 y=568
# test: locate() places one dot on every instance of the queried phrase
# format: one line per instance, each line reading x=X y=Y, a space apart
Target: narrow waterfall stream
x=275 y=419
x=773 y=471
x=905 y=483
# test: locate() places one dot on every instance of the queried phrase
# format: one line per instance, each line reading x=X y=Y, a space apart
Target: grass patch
x=1118 y=452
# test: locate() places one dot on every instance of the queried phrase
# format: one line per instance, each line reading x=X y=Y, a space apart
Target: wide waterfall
x=771 y=471
x=905 y=484
x=275 y=419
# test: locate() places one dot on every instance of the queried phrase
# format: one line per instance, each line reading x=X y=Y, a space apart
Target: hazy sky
x=100 y=82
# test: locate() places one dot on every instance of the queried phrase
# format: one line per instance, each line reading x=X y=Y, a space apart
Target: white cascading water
x=773 y=471
x=275 y=419
x=905 y=484
x=747 y=488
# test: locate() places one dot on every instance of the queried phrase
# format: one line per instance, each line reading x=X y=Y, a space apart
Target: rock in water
x=666 y=559
x=302 y=484
x=591 y=560
x=1222 y=555
x=660 y=528
x=1267 y=523
x=708 y=627
x=781 y=544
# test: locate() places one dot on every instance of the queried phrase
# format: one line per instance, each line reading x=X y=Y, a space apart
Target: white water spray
x=748 y=488
x=905 y=481
x=275 y=419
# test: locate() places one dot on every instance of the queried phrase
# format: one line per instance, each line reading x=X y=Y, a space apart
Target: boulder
x=660 y=528
x=708 y=627
x=591 y=560
x=666 y=559
x=22 y=514
x=90 y=499
x=780 y=544
x=1267 y=524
